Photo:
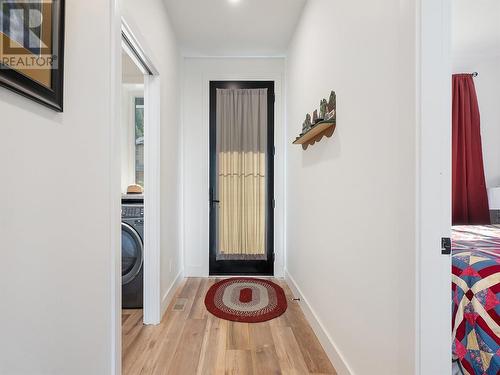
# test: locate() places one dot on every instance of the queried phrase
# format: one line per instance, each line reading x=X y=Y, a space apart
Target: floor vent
x=180 y=303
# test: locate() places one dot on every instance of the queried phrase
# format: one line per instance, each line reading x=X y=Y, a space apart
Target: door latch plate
x=445 y=246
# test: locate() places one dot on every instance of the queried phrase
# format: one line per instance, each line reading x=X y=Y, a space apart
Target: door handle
x=211 y=197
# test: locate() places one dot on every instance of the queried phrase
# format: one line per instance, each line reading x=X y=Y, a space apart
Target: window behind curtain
x=139 y=141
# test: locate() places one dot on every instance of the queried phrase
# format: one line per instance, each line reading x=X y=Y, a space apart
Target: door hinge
x=445 y=246
x=274 y=203
x=274 y=150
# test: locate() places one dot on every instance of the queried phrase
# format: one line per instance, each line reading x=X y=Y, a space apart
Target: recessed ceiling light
x=234 y=1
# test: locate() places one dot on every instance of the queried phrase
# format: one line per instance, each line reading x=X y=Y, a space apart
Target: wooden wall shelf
x=315 y=134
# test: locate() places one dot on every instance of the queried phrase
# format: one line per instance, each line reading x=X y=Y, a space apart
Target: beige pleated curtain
x=241 y=162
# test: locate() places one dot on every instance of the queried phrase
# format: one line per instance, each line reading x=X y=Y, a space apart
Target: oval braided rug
x=246 y=299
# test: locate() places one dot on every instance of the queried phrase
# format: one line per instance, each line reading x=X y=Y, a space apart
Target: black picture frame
x=52 y=97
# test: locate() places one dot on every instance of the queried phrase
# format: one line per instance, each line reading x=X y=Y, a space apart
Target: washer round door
x=132 y=253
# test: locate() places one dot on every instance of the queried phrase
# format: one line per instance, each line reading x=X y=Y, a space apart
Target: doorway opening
x=140 y=182
x=132 y=183
x=241 y=178
x=475 y=203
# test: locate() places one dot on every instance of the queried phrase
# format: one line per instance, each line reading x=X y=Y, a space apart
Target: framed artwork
x=32 y=49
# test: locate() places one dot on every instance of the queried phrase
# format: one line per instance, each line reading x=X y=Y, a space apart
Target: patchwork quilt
x=476 y=298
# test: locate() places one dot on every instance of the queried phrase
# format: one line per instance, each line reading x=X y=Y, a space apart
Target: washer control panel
x=132 y=211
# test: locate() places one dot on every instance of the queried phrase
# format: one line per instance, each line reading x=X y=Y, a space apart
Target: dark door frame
x=243 y=267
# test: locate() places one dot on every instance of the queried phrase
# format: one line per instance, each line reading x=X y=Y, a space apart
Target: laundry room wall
x=149 y=20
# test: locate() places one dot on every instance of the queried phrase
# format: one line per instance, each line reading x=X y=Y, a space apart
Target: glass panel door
x=241 y=191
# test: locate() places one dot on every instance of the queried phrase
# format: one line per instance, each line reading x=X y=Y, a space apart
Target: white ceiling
x=476 y=28
x=234 y=27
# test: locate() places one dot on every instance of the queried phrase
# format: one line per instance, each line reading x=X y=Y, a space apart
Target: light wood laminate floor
x=190 y=340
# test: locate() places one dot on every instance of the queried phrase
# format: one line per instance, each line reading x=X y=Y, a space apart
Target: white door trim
x=139 y=55
x=115 y=70
x=152 y=294
x=433 y=293
x=152 y=299
x=152 y=225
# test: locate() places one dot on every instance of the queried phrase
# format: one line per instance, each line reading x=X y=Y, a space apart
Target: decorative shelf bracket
x=316 y=134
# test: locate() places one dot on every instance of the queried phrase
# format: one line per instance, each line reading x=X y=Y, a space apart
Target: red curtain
x=470 y=199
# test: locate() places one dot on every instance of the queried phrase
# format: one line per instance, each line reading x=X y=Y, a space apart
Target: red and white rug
x=245 y=299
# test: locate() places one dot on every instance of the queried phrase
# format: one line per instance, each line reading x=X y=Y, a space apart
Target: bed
x=476 y=298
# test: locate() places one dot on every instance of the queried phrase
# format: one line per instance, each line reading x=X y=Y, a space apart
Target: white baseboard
x=170 y=293
x=195 y=271
x=331 y=349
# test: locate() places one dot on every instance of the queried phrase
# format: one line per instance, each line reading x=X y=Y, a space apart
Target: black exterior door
x=228 y=265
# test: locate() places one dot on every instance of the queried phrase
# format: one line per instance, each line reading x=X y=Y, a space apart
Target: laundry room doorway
x=139 y=280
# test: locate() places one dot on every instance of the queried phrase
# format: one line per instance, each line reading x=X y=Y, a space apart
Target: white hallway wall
x=197 y=73
x=55 y=224
x=150 y=20
x=350 y=198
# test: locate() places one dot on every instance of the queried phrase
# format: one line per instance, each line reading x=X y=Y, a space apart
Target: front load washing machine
x=132 y=252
